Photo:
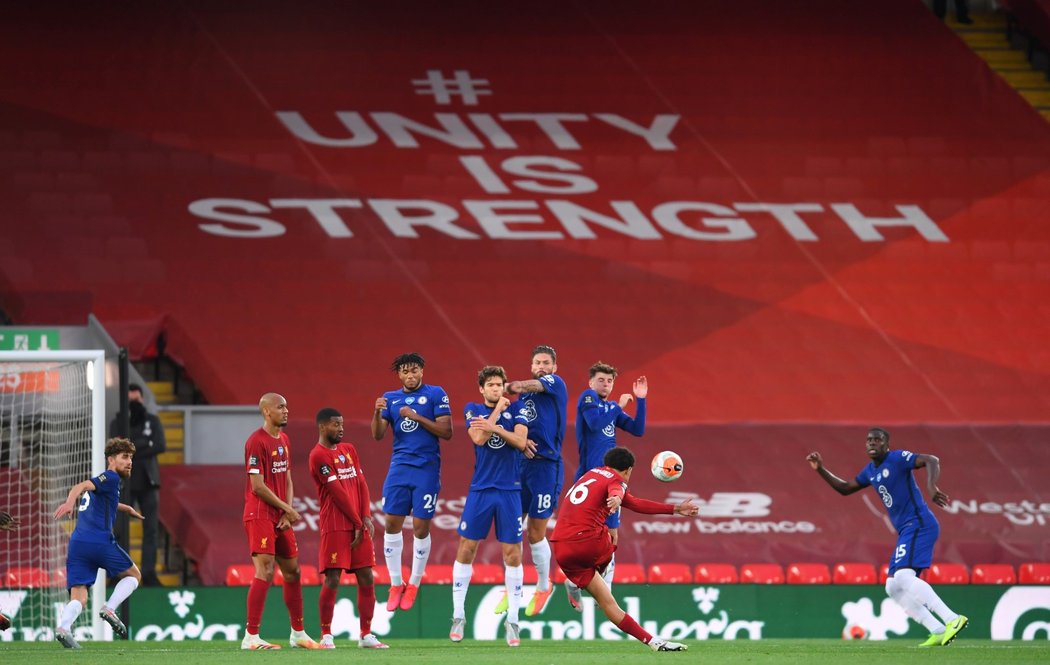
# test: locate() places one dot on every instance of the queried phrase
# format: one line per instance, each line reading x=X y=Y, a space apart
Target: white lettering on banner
x=1018 y=513
x=243 y=218
x=1016 y=603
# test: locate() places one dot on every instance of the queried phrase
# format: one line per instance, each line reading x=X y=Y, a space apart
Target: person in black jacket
x=147 y=433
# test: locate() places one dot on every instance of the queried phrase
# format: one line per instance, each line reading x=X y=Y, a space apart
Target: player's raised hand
x=625 y=399
x=641 y=387
x=502 y=404
x=687 y=508
x=65 y=509
x=815 y=460
x=940 y=498
x=8 y=523
x=380 y=404
x=359 y=535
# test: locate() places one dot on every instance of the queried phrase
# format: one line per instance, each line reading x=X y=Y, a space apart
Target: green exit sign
x=28 y=339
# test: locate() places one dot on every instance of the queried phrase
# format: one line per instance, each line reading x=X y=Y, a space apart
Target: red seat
x=308 y=575
x=629 y=573
x=884 y=573
x=240 y=574
x=994 y=573
x=557 y=574
x=947 y=573
x=715 y=573
x=670 y=573
x=1034 y=573
x=438 y=574
x=487 y=573
x=58 y=577
x=530 y=574
x=27 y=577
x=808 y=573
x=382 y=575
x=854 y=573
x=761 y=573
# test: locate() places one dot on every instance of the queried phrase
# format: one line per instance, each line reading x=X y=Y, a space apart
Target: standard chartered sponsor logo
x=1022 y=612
x=700 y=622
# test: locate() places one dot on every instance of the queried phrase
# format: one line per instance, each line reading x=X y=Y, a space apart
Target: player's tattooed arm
x=933 y=474
x=529 y=386
x=843 y=487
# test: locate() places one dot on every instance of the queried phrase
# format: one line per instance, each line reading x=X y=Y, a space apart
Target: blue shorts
x=485 y=506
x=84 y=560
x=915 y=547
x=412 y=490
x=540 y=486
x=613 y=521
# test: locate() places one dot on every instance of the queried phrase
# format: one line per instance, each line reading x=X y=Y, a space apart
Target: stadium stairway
x=1009 y=53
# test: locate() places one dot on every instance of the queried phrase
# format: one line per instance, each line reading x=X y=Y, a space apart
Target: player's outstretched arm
x=843 y=487
x=529 y=386
x=67 y=506
x=933 y=474
x=125 y=508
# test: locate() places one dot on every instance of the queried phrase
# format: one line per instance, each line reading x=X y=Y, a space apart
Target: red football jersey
x=583 y=512
x=339 y=466
x=271 y=458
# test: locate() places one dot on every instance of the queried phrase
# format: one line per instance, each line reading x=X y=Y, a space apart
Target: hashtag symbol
x=443 y=89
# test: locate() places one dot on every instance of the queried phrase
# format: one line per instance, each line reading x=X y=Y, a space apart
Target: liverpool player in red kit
x=268 y=518
x=582 y=546
x=346 y=526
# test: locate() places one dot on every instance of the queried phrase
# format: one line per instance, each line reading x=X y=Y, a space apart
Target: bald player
x=268 y=518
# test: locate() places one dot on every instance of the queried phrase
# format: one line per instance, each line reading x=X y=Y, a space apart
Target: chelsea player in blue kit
x=597 y=419
x=500 y=432
x=544 y=400
x=419 y=415
x=92 y=545
x=890 y=473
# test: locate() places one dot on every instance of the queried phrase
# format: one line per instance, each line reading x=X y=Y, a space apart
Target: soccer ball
x=855 y=632
x=667 y=466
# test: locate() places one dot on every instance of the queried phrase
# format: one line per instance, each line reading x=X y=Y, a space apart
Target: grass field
x=536 y=653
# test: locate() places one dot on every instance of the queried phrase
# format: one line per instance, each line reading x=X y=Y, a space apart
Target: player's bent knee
x=891 y=586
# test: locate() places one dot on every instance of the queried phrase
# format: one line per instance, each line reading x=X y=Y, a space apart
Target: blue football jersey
x=413 y=444
x=545 y=413
x=97 y=511
x=596 y=422
x=496 y=463
x=894 y=480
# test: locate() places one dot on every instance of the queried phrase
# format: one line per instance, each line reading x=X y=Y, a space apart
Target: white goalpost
x=52 y=436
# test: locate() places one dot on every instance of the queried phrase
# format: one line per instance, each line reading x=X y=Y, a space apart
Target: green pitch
x=441 y=652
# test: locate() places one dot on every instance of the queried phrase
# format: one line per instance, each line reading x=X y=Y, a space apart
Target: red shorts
x=581 y=559
x=335 y=551
x=264 y=538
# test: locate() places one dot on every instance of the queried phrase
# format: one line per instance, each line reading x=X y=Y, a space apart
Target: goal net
x=52 y=436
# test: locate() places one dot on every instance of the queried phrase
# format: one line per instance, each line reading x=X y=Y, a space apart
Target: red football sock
x=366 y=606
x=293 y=600
x=326 y=607
x=631 y=627
x=256 y=603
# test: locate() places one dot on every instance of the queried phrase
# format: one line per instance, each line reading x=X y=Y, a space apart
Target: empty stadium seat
x=854 y=573
x=240 y=574
x=715 y=573
x=487 y=573
x=629 y=573
x=947 y=573
x=530 y=574
x=557 y=574
x=308 y=575
x=993 y=573
x=27 y=577
x=808 y=573
x=1034 y=573
x=670 y=573
x=761 y=573
x=438 y=574
x=884 y=573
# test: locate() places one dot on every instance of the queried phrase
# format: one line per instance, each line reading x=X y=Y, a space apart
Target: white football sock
x=121 y=591
x=541 y=558
x=925 y=593
x=912 y=604
x=69 y=614
x=461 y=573
x=420 y=555
x=514 y=577
x=393 y=543
x=608 y=576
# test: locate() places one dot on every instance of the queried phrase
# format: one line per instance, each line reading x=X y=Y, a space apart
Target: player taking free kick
x=582 y=546
x=890 y=473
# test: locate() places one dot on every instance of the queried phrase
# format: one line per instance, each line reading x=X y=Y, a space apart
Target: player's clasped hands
x=687 y=509
x=359 y=535
x=407 y=412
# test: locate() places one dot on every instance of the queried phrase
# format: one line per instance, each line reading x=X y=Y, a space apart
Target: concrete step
x=172 y=418
x=977 y=40
x=1029 y=79
x=163 y=391
x=171 y=457
x=999 y=60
